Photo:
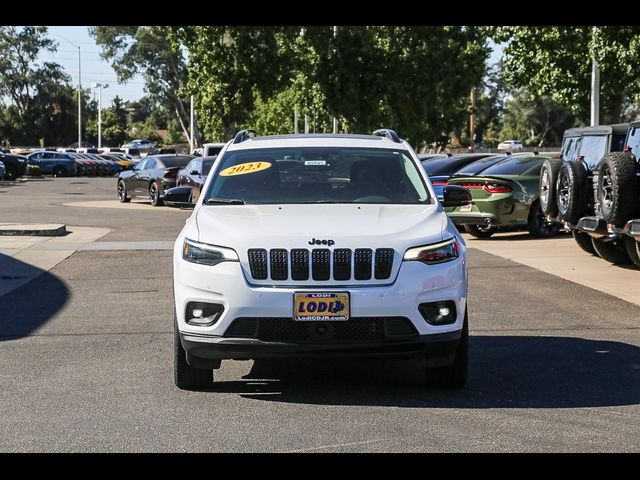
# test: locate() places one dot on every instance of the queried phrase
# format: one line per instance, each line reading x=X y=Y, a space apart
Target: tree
x=231 y=67
x=556 y=62
x=407 y=78
x=41 y=102
x=537 y=121
x=148 y=51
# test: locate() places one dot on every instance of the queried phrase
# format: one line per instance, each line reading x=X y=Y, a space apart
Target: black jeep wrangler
x=567 y=183
x=614 y=225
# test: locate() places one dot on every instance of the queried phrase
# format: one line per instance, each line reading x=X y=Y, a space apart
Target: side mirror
x=455 y=196
x=178 y=197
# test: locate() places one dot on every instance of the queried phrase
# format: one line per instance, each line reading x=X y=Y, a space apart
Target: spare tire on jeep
x=548 y=178
x=571 y=192
x=617 y=190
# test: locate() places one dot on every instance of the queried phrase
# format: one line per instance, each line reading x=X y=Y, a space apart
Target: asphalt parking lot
x=86 y=350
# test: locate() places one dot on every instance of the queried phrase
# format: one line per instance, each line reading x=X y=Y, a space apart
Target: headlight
x=435 y=253
x=204 y=254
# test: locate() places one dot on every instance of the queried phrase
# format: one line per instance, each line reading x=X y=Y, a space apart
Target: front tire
x=633 y=250
x=479 y=231
x=59 y=172
x=122 y=192
x=154 y=194
x=184 y=375
x=452 y=376
x=584 y=241
x=10 y=173
x=612 y=251
x=539 y=226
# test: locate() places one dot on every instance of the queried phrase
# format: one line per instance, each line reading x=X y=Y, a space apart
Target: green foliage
x=41 y=101
x=146 y=50
x=415 y=80
x=556 y=62
x=536 y=121
x=231 y=67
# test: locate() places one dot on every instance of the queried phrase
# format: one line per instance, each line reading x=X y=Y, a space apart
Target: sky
x=94 y=69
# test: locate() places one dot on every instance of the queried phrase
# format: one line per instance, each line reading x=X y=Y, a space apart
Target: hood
x=352 y=226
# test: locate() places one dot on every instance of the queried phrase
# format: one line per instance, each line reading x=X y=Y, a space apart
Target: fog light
x=438 y=313
x=203 y=314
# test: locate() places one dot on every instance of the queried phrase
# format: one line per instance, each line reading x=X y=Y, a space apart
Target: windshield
x=318 y=175
x=176 y=161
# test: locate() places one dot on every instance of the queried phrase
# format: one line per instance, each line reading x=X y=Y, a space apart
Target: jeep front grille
x=341 y=264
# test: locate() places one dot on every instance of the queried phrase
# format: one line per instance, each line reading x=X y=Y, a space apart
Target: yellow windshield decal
x=245 y=168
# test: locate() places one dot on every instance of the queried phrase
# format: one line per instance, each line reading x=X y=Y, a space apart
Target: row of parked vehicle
x=593 y=189
x=155 y=174
x=504 y=191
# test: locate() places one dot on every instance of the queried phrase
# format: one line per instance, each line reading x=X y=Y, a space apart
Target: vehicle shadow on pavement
x=505 y=372
x=31 y=305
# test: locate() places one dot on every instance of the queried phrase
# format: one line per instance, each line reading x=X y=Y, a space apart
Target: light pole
x=79 y=88
x=100 y=86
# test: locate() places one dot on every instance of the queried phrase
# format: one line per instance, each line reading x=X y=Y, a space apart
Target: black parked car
x=151 y=177
x=14 y=166
x=195 y=174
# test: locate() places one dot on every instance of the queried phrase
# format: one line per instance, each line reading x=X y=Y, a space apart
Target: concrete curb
x=42 y=230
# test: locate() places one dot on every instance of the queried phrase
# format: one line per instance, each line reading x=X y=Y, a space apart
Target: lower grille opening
x=354 y=330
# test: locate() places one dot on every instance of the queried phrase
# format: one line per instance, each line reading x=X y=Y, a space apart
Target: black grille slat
x=362 y=263
x=279 y=264
x=258 y=263
x=300 y=264
x=384 y=263
x=346 y=264
x=342 y=264
x=320 y=268
x=354 y=330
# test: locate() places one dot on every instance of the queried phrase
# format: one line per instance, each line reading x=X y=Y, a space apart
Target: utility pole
x=335 y=125
x=79 y=100
x=191 y=144
x=306 y=123
x=472 y=121
x=100 y=86
x=595 y=87
x=295 y=120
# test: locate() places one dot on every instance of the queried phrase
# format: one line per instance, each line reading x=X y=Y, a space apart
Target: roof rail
x=242 y=135
x=390 y=134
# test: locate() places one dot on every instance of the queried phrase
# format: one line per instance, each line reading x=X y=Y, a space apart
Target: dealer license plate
x=466 y=208
x=317 y=306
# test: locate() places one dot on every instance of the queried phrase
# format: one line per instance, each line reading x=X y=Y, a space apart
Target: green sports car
x=504 y=197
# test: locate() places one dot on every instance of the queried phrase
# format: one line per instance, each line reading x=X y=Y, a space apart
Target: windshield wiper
x=224 y=201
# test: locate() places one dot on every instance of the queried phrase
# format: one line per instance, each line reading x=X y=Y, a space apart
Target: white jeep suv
x=319 y=245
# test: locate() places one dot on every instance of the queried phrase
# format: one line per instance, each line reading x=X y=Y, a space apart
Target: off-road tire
x=613 y=251
x=617 y=190
x=571 y=192
x=453 y=376
x=548 y=180
x=584 y=241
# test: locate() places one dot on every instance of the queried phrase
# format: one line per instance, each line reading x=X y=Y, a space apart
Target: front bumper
x=225 y=284
x=206 y=351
